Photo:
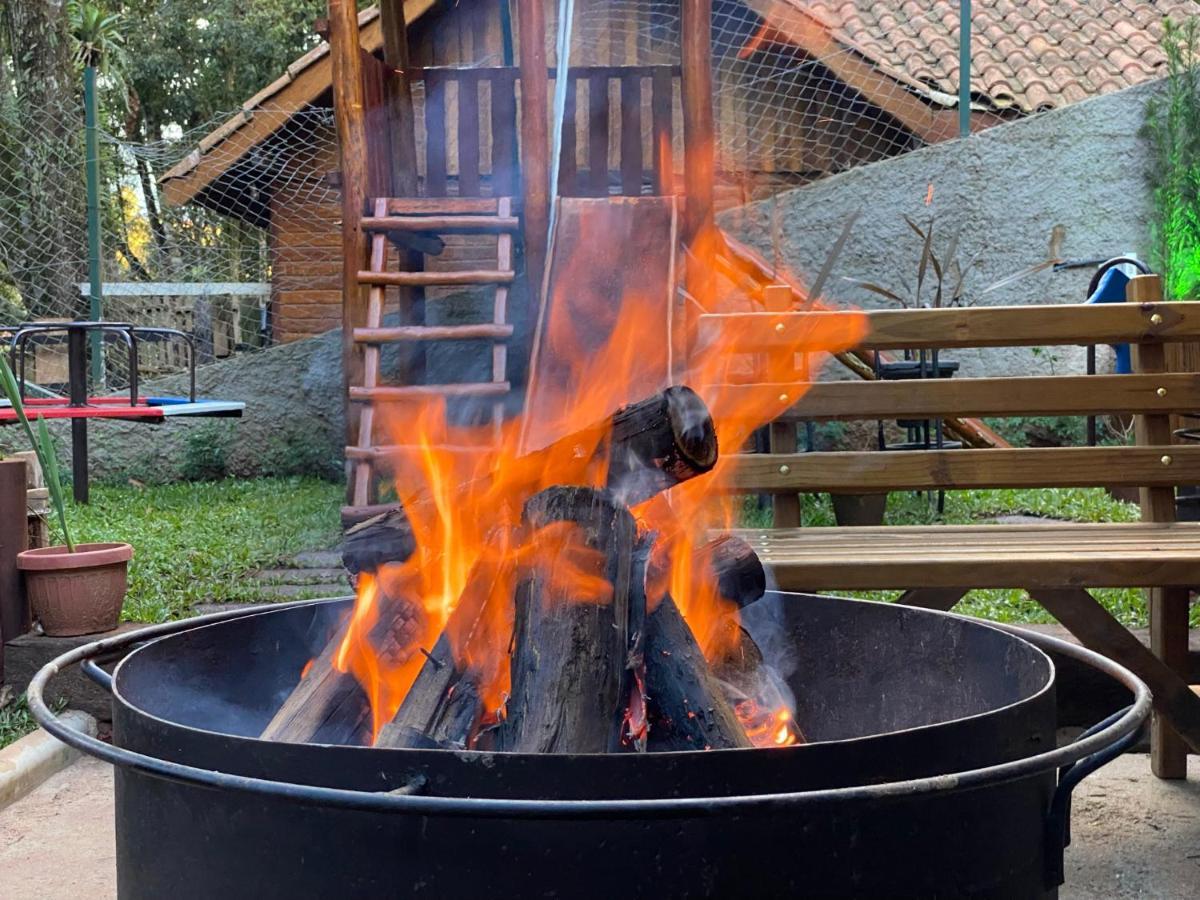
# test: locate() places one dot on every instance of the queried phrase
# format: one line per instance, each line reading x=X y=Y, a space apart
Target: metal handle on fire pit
x=1089 y=749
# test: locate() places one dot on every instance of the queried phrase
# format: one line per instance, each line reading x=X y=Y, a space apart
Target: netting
x=231 y=228
x=792 y=102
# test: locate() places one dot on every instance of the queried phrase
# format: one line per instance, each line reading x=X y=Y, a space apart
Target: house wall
x=1069 y=183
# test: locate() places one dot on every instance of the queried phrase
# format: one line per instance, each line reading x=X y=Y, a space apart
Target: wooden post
x=14 y=537
x=1168 y=606
x=399 y=95
x=698 y=148
x=786 y=507
x=535 y=143
x=349 y=107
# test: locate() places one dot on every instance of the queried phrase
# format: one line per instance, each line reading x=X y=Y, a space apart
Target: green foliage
x=97 y=35
x=966 y=507
x=194 y=59
x=198 y=543
x=16 y=721
x=1172 y=128
x=43 y=445
x=205 y=453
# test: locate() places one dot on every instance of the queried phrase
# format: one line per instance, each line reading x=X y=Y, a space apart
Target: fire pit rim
x=483 y=756
x=1099 y=744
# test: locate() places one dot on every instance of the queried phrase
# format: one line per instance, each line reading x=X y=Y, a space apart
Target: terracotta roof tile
x=1032 y=54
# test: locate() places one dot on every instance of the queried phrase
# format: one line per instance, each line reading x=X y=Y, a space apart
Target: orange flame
x=463 y=487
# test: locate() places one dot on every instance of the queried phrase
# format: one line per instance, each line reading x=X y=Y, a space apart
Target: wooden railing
x=625 y=143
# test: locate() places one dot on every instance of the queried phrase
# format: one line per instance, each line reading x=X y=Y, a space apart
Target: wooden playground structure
x=389 y=224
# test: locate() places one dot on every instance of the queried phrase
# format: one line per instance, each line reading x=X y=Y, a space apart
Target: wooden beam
x=535 y=144
x=997 y=326
x=924 y=470
x=1168 y=606
x=349 y=107
x=1098 y=630
x=698 y=148
x=799 y=28
x=1067 y=395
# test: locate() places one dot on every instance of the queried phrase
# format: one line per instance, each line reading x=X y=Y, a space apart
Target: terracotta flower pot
x=76 y=593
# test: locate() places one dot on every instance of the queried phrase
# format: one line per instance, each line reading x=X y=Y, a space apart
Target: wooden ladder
x=426 y=216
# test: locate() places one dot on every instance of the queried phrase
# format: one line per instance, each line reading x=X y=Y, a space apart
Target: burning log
x=655 y=444
x=689 y=704
x=444 y=704
x=385 y=538
x=569 y=665
x=329 y=706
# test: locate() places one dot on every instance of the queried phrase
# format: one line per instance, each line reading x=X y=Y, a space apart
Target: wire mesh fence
x=231 y=228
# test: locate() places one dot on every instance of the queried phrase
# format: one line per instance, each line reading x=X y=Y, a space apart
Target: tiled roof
x=1028 y=54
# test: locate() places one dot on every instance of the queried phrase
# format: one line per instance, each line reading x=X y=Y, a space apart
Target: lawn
x=966 y=507
x=197 y=542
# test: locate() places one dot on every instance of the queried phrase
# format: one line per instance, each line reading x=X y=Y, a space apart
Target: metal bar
x=409 y=802
x=77 y=381
x=92 y=164
x=964 y=68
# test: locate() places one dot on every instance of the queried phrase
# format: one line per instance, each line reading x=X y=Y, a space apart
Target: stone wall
x=1069 y=183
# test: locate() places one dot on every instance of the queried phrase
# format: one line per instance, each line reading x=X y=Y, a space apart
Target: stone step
x=303 y=576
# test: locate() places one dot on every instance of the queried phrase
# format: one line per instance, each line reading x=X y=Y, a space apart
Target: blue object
x=1111 y=289
x=166 y=401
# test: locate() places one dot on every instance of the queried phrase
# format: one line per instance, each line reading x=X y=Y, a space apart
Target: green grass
x=198 y=542
x=965 y=507
x=16 y=721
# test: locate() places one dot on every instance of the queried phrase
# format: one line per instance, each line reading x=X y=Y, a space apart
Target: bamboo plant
x=43 y=447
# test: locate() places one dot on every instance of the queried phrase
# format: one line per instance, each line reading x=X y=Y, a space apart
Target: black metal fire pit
x=931 y=771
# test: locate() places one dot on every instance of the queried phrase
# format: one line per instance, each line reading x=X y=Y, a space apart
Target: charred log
x=385 y=538
x=687 y=705
x=740 y=575
x=569 y=663
x=658 y=442
x=444 y=705
x=329 y=706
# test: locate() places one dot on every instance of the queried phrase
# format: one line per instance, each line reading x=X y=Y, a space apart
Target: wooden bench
x=1056 y=563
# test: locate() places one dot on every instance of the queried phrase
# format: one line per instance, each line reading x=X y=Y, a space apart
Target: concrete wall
x=1074 y=179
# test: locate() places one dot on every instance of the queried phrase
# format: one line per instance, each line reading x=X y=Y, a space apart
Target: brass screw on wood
x=1166 y=460
x=1162 y=392
x=1156 y=319
x=779 y=328
x=783 y=398
x=784 y=469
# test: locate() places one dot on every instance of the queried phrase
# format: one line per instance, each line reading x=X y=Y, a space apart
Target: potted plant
x=74 y=588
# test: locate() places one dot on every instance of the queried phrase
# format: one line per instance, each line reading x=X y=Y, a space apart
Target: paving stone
x=304 y=576
x=318 y=559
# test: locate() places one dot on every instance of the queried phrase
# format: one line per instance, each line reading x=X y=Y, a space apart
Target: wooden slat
x=417 y=391
x=402 y=333
x=919 y=470
x=660 y=114
x=442 y=224
x=468 y=138
x=631 y=135
x=435 y=137
x=504 y=142
x=1067 y=395
x=568 y=174
x=441 y=206
x=436 y=278
x=399 y=451
x=504 y=260
x=998 y=326
x=598 y=136
x=941 y=557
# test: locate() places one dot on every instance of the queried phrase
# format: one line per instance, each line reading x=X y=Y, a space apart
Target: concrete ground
x=1134 y=837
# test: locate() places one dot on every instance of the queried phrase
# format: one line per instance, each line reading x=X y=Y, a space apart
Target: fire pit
x=930 y=770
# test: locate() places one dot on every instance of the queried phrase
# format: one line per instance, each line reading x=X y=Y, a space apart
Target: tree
x=42 y=200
